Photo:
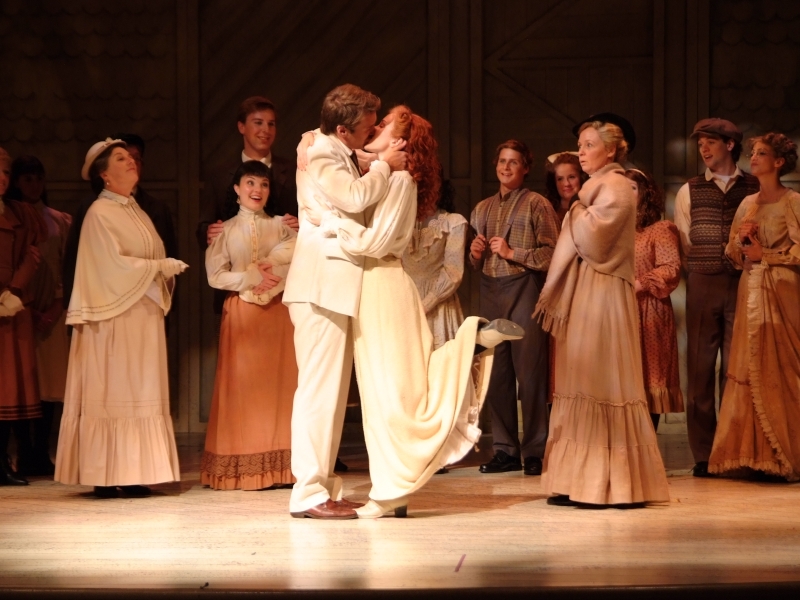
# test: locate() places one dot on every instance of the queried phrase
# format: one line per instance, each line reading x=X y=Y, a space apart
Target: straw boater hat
x=94 y=152
x=552 y=158
x=609 y=117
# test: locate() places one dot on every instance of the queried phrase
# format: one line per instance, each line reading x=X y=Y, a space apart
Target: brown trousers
x=520 y=367
x=710 y=310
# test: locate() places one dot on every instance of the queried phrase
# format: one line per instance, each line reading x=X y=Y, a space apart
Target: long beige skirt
x=419 y=406
x=248 y=439
x=602 y=447
x=116 y=428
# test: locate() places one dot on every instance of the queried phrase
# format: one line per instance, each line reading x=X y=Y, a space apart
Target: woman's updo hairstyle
x=782 y=147
x=612 y=137
x=252 y=168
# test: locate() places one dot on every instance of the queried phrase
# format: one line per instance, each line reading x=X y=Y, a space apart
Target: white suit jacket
x=321 y=273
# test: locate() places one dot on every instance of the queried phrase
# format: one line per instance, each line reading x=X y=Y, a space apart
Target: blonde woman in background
x=602 y=448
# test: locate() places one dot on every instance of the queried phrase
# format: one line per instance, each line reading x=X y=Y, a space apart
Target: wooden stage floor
x=465 y=531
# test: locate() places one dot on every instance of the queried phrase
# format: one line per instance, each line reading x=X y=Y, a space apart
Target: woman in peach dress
x=248 y=439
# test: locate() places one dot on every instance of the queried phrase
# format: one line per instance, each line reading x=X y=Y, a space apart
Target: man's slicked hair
x=346 y=105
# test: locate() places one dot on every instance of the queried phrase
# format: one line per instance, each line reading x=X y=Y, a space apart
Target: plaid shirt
x=532 y=236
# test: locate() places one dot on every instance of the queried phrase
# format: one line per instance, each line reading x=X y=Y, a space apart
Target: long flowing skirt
x=19 y=393
x=602 y=448
x=248 y=440
x=116 y=428
x=419 y=406
x=759 y=419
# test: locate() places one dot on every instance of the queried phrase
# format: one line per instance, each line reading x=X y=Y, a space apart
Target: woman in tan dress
x=602 y=448
x=759 y=419
x=658 y=272
x=49 y=317
x=20 y=233
x=116 y=430
x=248 y=440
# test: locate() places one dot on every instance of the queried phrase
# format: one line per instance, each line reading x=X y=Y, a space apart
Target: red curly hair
x=423 y=160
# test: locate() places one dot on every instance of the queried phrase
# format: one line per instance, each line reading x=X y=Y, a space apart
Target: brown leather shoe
x=327 y=510
x=350 y=504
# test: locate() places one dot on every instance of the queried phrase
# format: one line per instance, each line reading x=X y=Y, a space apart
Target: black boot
x=7 y=474
x=41 y=463
x=655 y=417
x=26 y=462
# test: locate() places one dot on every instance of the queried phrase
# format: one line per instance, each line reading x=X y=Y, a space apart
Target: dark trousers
x=523 y=362
x=710 y=310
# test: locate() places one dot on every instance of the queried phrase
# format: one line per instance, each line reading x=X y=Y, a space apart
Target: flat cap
x=720 y=127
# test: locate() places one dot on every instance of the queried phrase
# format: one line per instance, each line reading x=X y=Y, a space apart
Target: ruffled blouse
x=434 y=258
x=247 y=240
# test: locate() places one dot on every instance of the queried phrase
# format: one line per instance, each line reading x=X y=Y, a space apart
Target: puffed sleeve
x=218 y=267
x=666 y=274
x=280 y=256
x=451 y=271
x=389 y=223
x=787 y=255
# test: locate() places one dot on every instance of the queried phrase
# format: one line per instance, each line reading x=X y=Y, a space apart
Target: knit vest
x=712 y=213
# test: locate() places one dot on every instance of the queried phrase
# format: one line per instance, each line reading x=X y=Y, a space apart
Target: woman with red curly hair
x=419 y=405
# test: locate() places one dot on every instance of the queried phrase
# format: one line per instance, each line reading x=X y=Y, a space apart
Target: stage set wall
x=174 y=71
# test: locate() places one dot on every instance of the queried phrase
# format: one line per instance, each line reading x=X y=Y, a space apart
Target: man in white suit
x=323 y=289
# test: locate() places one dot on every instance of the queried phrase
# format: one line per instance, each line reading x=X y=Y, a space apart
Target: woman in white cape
x=116 y=431
x=419 y=406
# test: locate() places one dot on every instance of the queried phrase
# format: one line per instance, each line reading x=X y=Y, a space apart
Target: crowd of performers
x=353 y=254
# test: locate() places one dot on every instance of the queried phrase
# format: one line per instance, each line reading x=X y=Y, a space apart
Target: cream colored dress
x=434 y=259
x=420 y=407
x=759 y=418
x=602 y=448
x=116 y=428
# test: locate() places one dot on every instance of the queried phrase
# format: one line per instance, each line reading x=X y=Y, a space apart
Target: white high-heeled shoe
x=498 y=331
x=375 y=510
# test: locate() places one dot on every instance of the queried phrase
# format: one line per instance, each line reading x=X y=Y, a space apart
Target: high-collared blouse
x=247 y=240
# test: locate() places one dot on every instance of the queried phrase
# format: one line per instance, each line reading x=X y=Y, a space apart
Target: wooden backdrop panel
x=174 y=71
x=550 y=64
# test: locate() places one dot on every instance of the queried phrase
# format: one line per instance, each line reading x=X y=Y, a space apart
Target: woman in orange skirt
x=248 y=439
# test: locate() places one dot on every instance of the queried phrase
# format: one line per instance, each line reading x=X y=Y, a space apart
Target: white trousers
x=324 y=347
